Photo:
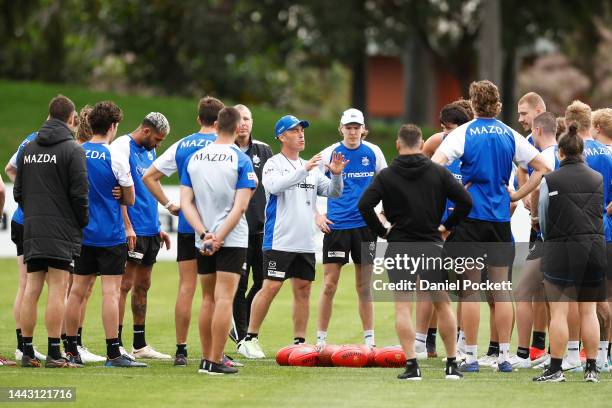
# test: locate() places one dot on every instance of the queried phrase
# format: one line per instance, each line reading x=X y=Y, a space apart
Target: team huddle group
x=90 y=207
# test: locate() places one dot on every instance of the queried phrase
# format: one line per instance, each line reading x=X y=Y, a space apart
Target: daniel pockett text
x=431 y=267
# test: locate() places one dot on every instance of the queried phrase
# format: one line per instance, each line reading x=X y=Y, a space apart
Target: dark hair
x=453 y=114
x=466 y=105
x=208 y=110
x=61 y=108
x=570 y=144
x=410 y=135
x=103 y=115
x=228 y=120
x=547 y=122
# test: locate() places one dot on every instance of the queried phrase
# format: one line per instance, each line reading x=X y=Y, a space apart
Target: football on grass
x=371 y=353
x=325 y=355
x=390 y=357
x=349 y=356
x=304 y=356
x=282 y=355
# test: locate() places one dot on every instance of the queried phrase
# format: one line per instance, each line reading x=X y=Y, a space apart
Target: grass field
x=23 y=108
x=263 y=383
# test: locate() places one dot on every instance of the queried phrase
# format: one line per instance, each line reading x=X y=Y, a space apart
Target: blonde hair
x=579 y=113
x=602 y=118
x=533 y=100
x=84 y=132
x=484 y=97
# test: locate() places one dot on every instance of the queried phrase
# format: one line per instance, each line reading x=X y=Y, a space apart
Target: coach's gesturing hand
x=337 y=164
x=314 y=162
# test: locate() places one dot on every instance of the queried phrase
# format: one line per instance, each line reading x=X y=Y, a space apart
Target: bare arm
x=439 y=158
x=2 y=195
x=190 y=211
x=11 y=172
x=129 y=229
x=609 y=208
x=151 y=179
x=522 y=175
x=128 y=196
x=540 y=168
x=432 y=144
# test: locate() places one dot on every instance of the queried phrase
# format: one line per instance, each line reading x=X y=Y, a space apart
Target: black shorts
x=43 y=264
x=430 y=268
x=101 y=260
x=17 y=236
x=281 y=265
x=339 y=243
x=146 y=250
x=185 y=247
x=476 y=238
x=576 y=264
x=226 y=259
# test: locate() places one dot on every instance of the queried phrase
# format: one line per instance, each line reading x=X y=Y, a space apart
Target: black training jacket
x=259 y=153
x=414 y=190
x=52 y=189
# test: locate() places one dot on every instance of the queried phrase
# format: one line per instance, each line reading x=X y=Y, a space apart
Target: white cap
x=352 y=115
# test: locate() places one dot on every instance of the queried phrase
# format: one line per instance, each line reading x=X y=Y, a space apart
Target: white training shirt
x=215 y=173
x=291 y=194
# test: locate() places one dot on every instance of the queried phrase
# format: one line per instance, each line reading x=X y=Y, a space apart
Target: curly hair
x=84 y=132
x=580 y=113
x=485 y=100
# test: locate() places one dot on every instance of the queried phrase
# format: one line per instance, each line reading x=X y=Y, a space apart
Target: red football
x=304 y=356
x=325 y=355
x=349 y=356
x=392 y=356
x=370 y=352
x=282 y=355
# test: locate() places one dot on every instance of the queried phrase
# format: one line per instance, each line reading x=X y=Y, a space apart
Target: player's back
x=214 y=174
x=105 y=226
x=487 y=164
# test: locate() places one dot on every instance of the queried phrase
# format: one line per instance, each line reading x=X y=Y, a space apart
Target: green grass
x=23 y=108
x=263 y=383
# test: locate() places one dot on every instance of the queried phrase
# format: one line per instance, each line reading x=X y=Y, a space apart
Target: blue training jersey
x=18 y=214
x=487 y=148
x=599 y=158
x=364 y=163
x=143 y=214
x=175 y=159
x=105 y=170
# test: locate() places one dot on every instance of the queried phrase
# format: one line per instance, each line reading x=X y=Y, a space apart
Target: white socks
x=321 y=337
x=504 y=351
x=471 y=353
x=420 y=343
x=602 y=354
x=461 y=342
x=573 y=352
x=368 y=337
